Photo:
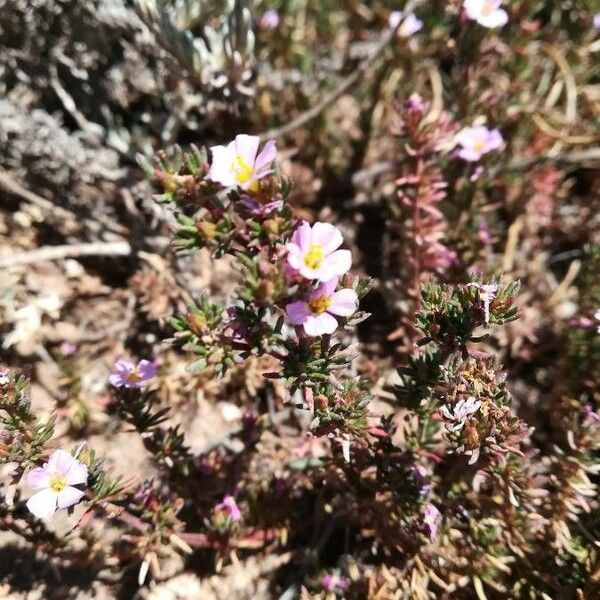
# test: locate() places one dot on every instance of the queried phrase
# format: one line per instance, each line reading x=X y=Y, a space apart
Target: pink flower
x=269 y=20
x=68 y=349
x=431 y=520
x=229 y=506
x=240 y=164
x=581 y=322
x=317 y=315
x=332 y=582
x=486 y=12
x=258 y=209
x=55 y=480
x=590 y=414
x=477 y=141
x=313 y=252
x=126 y=374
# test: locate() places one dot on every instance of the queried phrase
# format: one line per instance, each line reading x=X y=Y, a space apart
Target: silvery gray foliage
x=215 y=58
x=59 y=159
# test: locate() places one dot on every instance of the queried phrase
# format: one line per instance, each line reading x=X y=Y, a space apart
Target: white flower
x=486 y=12
x=410 y=23
x=487 y=293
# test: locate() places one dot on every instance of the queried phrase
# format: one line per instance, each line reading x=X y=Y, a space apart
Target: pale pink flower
x=313 y=252
x=590 y=414
x=317 y=316
x=240 y=164
x=269 y=20
x=486 y=12
x=459 y=413
x=410 y=23
x=68 y=349
x=230 y=506
x=596 y=21
x=332 y=582
x=581 y=322
x=476 y=141
x=431 y=520
x=126 y=374
x=55 y=480
x=487 y=293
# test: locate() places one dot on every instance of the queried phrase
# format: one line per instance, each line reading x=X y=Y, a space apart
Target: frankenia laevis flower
x=269 y=20
x=317 y=314
x=128 y=375
x=459 y=413
x=486 y=12
x=596 y=21
x=55 y=481
x=332 y=582
x=313 y=252
x=487 y=293
x=240 y=164
x=476 y=141
x=431 y=520
x=410 y=24
x=229 y=506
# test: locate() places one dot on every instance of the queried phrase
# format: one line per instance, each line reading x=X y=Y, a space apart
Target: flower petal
x=469 y=155
x=246 y=146
x=77 y=474
x=294 y=256
x=495 y=140
x=327 y=236
x=317 y=325
x=343 y=303
x=220 y=169
x=297 y=312
x=69 y=496
x=60 y=462
x=38 y=477
x=146 y=369
x=264 y=159
x=43 y=503
x=337 y=263
x=301 y=237
x=325 y=289
x=498 y=18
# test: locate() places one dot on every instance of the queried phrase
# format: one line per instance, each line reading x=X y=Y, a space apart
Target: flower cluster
x=313 y=255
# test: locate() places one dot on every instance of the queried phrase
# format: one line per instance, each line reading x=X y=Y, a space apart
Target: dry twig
x=121 y=248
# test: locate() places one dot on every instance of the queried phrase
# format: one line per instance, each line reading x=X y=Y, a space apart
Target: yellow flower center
x=319 y=305
x=479 y=146
x=243 y=172
x=314 y=256
x=58 y=483
x=134 y=376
